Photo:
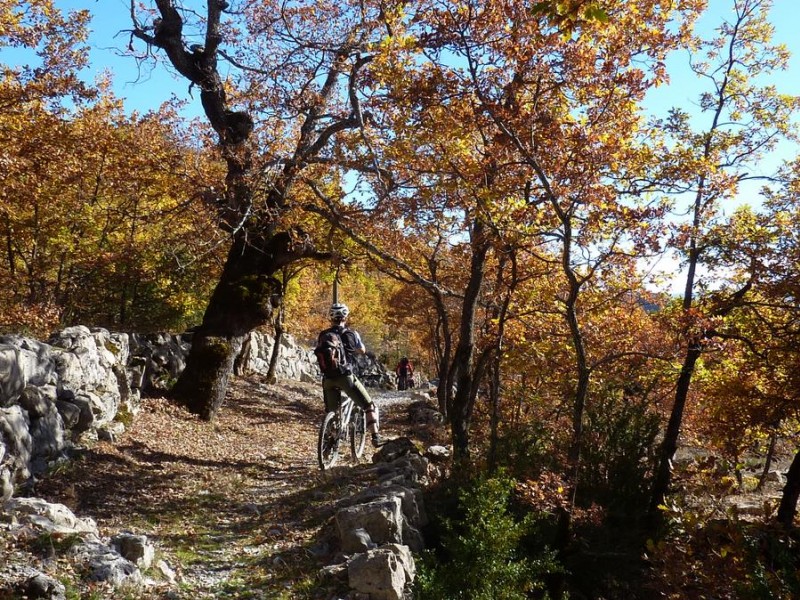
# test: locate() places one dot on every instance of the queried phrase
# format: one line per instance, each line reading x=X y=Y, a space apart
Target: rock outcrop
x=116 y=561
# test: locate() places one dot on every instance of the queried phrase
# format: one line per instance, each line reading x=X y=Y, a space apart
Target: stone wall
x=85 y=382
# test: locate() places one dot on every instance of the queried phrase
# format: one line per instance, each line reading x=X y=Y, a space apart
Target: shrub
x=525 y=450
x=618 y=454
x=480 y=556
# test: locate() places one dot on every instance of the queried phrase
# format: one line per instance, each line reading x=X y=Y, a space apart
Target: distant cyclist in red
x=405 y=374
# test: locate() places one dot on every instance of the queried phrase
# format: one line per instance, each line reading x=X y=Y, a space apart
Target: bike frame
x=347 y=430
x=345 y=414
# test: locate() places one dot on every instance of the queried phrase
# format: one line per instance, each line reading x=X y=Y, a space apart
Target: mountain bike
x=348 y=423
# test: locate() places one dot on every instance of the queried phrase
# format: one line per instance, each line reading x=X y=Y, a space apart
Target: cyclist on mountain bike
x=334 y=384
x=405 y=374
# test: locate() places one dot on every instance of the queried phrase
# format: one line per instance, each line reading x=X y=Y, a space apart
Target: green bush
x=526 y=450
x=618 y=453
x=773 y=570
x=480 y=556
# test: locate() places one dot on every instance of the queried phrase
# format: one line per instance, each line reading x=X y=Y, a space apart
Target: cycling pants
x=332 y=388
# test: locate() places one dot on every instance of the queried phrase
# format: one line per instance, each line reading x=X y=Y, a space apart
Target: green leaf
x=596 y=13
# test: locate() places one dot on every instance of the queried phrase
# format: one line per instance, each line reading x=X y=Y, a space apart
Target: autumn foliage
x=486 y=185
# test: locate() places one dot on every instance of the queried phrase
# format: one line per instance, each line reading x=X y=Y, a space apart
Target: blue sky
x=142 y=89
x=147 y=89
x=684 y=88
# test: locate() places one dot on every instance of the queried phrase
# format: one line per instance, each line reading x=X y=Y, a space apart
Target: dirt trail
x=238 y=507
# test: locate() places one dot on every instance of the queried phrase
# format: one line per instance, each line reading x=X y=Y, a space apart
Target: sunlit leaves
x=52 y=45
x=102 y=218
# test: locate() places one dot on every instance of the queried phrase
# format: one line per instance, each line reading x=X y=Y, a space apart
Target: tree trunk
x=240 y=303
x=243 y=358
x=12 y=267
x=494 y=416
x=670 y=443
x=460 y=412
x=773 y=441
x=276 y=347
x=444 y=389
x=791 y=492
x=582 y=387
x=500 y=314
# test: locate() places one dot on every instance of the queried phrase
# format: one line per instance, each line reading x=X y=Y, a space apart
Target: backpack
x=330 y=353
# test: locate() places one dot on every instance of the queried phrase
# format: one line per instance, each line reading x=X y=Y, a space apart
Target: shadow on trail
x=143 y=453
x=265 y=406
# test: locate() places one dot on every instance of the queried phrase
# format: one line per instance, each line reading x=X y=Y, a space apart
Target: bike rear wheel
x=328 y=443
x=358 y=433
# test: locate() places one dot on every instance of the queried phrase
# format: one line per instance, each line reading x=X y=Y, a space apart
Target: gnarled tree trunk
x=244 y=296
x=240 y=303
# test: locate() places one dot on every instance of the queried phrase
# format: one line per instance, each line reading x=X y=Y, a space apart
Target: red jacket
x=404 y=369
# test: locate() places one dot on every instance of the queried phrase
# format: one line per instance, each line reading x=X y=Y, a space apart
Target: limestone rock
x=44 y=587
x=37 y=400
x=103 y=563
x=16 y=438
x=424 y=412
x=411 y=500
x=12 y=377
x=47 y=437
x=135 y=548
x=394 y=449
x=110 y=432
x=166 y=571
x=775 y=477
x=382 y=519
x=53 y=518
x=70 y=413
x=379 y=573
x=437 y=453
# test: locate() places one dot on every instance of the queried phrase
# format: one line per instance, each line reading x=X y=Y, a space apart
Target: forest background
x=588 y=239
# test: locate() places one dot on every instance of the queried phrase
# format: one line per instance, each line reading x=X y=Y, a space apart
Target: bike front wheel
x=358 y=433
x=328 y=443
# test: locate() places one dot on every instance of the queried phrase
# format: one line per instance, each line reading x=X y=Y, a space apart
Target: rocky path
x=236 y=508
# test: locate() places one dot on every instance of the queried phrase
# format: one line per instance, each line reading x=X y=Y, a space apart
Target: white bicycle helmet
x=338 y=312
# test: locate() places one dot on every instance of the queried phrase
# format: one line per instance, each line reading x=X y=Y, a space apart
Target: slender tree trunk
x=517 y=416
x=12 y=267
x=276 y=347
x=791 y=492
x=582 y=386
x=127 y=279
x=495 y=366
x=444 y=389
x=576 y=335
x=672 y=433
x=494 y=416
x=461 y=410
x=773 y=441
